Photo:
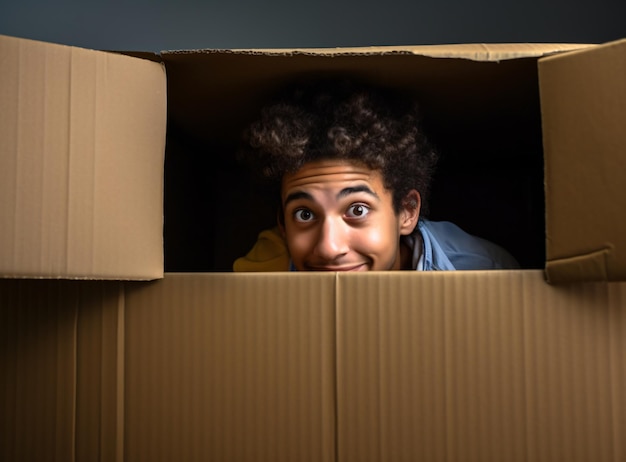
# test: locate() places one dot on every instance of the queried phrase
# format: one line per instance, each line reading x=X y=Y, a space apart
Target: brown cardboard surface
x=56 y=384
x=381 y=366
x=477 y=366
x=230 y=367
x=583 y=95
x=82 y=137
x=193 y=367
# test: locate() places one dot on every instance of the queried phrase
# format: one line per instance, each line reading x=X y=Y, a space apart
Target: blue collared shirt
x=445 y=246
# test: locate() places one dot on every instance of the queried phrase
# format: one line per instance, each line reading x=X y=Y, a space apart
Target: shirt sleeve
x=269 y=253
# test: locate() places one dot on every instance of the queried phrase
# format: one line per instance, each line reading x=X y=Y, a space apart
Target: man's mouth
x=345 y=267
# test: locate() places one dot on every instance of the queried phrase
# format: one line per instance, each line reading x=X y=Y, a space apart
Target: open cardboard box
x=83 y=134
x=399 y=365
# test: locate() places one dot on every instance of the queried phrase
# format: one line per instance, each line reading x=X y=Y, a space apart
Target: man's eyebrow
x=297 y=195
x=356 y=189
x=343 y=193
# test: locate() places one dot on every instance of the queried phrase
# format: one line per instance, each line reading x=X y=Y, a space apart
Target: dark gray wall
x=169 y=24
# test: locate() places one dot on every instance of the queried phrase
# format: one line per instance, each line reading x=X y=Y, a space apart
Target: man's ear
x=410 y=212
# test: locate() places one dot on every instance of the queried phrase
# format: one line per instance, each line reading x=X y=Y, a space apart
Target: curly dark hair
x=339 y=119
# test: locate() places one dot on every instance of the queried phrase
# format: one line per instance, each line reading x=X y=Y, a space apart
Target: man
x=353 y=170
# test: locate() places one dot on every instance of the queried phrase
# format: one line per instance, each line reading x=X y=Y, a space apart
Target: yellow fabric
x=268 y=254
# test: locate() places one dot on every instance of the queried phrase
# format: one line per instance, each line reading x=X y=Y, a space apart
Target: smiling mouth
x=357 y=267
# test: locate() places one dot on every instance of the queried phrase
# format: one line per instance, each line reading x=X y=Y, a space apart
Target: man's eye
x=357 y=211
x=303 y=215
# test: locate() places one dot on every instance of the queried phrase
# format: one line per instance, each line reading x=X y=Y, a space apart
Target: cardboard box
x=335 y=367
x=486 y=366
x=82 y=194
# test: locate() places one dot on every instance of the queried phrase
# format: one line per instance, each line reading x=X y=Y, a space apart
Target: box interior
x=485 y=124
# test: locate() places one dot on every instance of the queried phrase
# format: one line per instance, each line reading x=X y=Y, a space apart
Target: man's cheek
x=298 y=242
x=372 y=237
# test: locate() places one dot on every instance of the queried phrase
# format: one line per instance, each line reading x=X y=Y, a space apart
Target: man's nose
x=332 y=240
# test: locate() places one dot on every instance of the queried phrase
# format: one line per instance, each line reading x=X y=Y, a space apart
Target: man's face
x=340 y=217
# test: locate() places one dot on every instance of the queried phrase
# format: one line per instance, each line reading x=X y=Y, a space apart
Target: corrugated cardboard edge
x=474 y=52
x=156 y=274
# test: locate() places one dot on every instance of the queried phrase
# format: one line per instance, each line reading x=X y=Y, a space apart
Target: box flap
x=82 y=140
x=583 y=97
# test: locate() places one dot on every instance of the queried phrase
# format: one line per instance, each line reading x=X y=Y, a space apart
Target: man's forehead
x=329 y=172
